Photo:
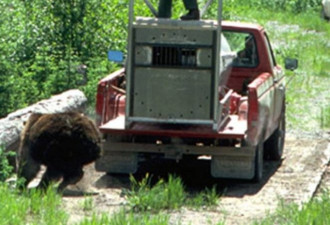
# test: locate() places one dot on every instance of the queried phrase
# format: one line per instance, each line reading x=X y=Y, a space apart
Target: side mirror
x=291 y=64
x=115 y=56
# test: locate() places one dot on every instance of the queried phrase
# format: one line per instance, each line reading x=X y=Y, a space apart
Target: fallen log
x=12 y=125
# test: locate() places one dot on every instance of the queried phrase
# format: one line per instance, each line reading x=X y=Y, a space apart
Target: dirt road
x=295 y=179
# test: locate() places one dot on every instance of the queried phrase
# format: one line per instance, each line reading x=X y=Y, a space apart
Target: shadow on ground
x=195 y=175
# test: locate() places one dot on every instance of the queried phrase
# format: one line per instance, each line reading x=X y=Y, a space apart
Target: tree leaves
x=44 y=43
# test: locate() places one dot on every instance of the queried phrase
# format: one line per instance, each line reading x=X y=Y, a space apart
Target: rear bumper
x=226 y=162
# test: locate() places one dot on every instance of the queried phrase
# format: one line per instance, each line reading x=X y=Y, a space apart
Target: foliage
x=295 y=6
x=5 y=168
x=46 y=46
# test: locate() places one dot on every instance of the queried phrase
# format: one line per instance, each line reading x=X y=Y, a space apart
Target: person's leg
x=165 y=9
x=190 y=4
x=193 y=12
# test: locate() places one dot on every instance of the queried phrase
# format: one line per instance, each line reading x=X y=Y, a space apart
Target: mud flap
x=118 y=162
x=233 y=166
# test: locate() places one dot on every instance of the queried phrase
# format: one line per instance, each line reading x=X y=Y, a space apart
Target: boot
x=193 y=14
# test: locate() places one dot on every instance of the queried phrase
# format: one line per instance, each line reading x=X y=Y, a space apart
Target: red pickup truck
x=171 y=100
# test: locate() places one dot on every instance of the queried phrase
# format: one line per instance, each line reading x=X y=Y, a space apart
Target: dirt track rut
x=295 y=179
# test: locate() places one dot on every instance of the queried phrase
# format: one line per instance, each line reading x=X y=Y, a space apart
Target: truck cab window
x=245 y=47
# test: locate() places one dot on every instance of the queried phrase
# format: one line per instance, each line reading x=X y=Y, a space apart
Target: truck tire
x=275 y=143
x=258 y=163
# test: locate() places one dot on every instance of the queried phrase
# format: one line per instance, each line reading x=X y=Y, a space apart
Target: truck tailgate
x=234 y=128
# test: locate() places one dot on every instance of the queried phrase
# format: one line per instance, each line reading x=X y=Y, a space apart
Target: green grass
x=143 y=197
x=168 y=195
x=38 y=208
x=34 y=207
x=325 y=116
x=316 y=212
x=127 y=218
x=307 y=88
x=87 y=204
x=147 y=204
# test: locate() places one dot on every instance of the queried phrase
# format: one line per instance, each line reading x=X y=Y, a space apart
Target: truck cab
x=255 y=70
x=201 y=88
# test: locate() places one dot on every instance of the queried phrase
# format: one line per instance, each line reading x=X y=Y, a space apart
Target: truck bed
x=233 y=128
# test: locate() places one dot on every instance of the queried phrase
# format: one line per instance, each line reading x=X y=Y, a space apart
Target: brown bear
x=63 y=142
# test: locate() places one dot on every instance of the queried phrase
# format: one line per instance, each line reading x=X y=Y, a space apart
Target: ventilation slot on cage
x=174 y=56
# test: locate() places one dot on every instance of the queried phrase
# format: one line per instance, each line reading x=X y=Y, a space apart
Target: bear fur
x=63 y=142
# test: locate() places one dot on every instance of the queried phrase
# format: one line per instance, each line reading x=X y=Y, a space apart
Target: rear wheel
x=258 y=163
x=275 y=143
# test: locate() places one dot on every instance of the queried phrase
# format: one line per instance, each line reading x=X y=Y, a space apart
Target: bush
x=6 y=169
